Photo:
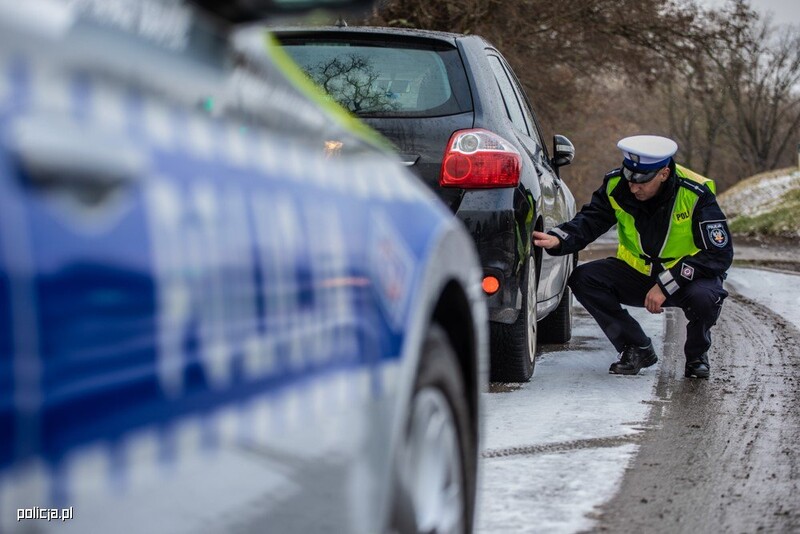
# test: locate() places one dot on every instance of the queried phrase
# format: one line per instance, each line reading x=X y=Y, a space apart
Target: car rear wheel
x=437 y=458
x=557 y=327
x=514 y=345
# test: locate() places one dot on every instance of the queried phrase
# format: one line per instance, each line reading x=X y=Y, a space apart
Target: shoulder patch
x=715 y=234
x=612 y=173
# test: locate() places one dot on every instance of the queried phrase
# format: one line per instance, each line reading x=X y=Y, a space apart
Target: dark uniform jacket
x=652 y=218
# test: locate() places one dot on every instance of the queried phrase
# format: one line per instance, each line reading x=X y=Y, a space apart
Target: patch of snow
x=571 y=398
x=760 y=197
x=551 y=492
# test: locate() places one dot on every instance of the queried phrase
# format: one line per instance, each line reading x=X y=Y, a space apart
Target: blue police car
x=224 y=307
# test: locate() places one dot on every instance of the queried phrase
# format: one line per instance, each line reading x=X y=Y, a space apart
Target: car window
x=383 y=79
x=526 y=110
x=512 y=103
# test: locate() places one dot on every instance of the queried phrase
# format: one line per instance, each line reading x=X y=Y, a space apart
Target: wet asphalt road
x=722 y=455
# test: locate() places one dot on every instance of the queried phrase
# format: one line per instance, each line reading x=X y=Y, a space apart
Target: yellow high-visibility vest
x=679 y=241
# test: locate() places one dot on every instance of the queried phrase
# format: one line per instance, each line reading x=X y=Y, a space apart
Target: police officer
x=674 y=249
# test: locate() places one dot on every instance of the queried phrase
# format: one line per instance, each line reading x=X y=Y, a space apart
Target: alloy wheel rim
x=431 y=466
x=532 y=317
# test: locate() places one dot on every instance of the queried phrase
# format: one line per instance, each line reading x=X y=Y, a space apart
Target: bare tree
x=735 y=99
x=698 y=110
x=352 y=81
x=762 y=73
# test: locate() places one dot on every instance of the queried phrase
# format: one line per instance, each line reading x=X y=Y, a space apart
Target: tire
x=436 y=462
x=514 y=345
x=557 y=327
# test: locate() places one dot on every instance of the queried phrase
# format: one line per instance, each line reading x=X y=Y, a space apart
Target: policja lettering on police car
x=674 y=250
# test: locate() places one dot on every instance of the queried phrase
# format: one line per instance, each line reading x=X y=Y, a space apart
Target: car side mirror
x=563 y=150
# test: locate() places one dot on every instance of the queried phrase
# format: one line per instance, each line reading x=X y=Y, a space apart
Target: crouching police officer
x=674 y=249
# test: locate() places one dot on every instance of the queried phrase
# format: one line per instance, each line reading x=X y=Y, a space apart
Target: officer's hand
x=541 y=239
x=654 y=299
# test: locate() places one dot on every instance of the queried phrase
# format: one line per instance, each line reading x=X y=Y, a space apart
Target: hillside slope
x=766 y=204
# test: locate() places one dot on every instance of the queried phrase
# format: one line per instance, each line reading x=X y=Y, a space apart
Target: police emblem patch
x=687 y=271
x=717 y=234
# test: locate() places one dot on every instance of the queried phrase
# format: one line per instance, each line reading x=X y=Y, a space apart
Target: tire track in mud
x=724 y=455
x=562 y=446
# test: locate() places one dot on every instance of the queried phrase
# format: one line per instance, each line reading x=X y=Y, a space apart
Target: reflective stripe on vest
x=679 y=240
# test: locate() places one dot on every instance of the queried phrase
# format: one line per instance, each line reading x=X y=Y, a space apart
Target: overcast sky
x=783 y=11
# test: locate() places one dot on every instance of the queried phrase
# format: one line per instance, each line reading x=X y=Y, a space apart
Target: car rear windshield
x=386 y=80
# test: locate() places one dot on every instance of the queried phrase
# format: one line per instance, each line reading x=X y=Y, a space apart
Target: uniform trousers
x=603 y=286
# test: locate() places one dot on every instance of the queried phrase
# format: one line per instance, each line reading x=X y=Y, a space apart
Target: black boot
x=633 y=359
x=697 y=367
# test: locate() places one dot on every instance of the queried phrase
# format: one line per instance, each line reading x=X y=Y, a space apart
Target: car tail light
x=478 y=158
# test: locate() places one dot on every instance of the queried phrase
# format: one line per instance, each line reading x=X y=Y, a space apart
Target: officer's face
x=650 y=189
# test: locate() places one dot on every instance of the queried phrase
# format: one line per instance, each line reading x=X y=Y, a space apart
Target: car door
x=551 y=275
x=561 y=210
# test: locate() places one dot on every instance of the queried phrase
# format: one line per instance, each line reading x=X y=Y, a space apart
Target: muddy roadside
x=721 y=455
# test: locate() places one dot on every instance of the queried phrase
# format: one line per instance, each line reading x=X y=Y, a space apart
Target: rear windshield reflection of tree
x=352 y=81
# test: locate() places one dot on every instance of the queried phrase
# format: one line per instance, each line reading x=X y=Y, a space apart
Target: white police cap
x=647 y=152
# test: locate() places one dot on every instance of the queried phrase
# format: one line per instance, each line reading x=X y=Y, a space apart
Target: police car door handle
x=57 y=149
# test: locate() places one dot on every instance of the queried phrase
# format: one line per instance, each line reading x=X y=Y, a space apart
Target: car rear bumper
x=497 y=240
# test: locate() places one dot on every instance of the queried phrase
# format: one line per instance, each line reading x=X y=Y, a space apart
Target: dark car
x=460 y=119
x=224 y=306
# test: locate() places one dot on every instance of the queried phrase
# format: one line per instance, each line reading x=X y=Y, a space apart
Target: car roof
x=370 y=31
